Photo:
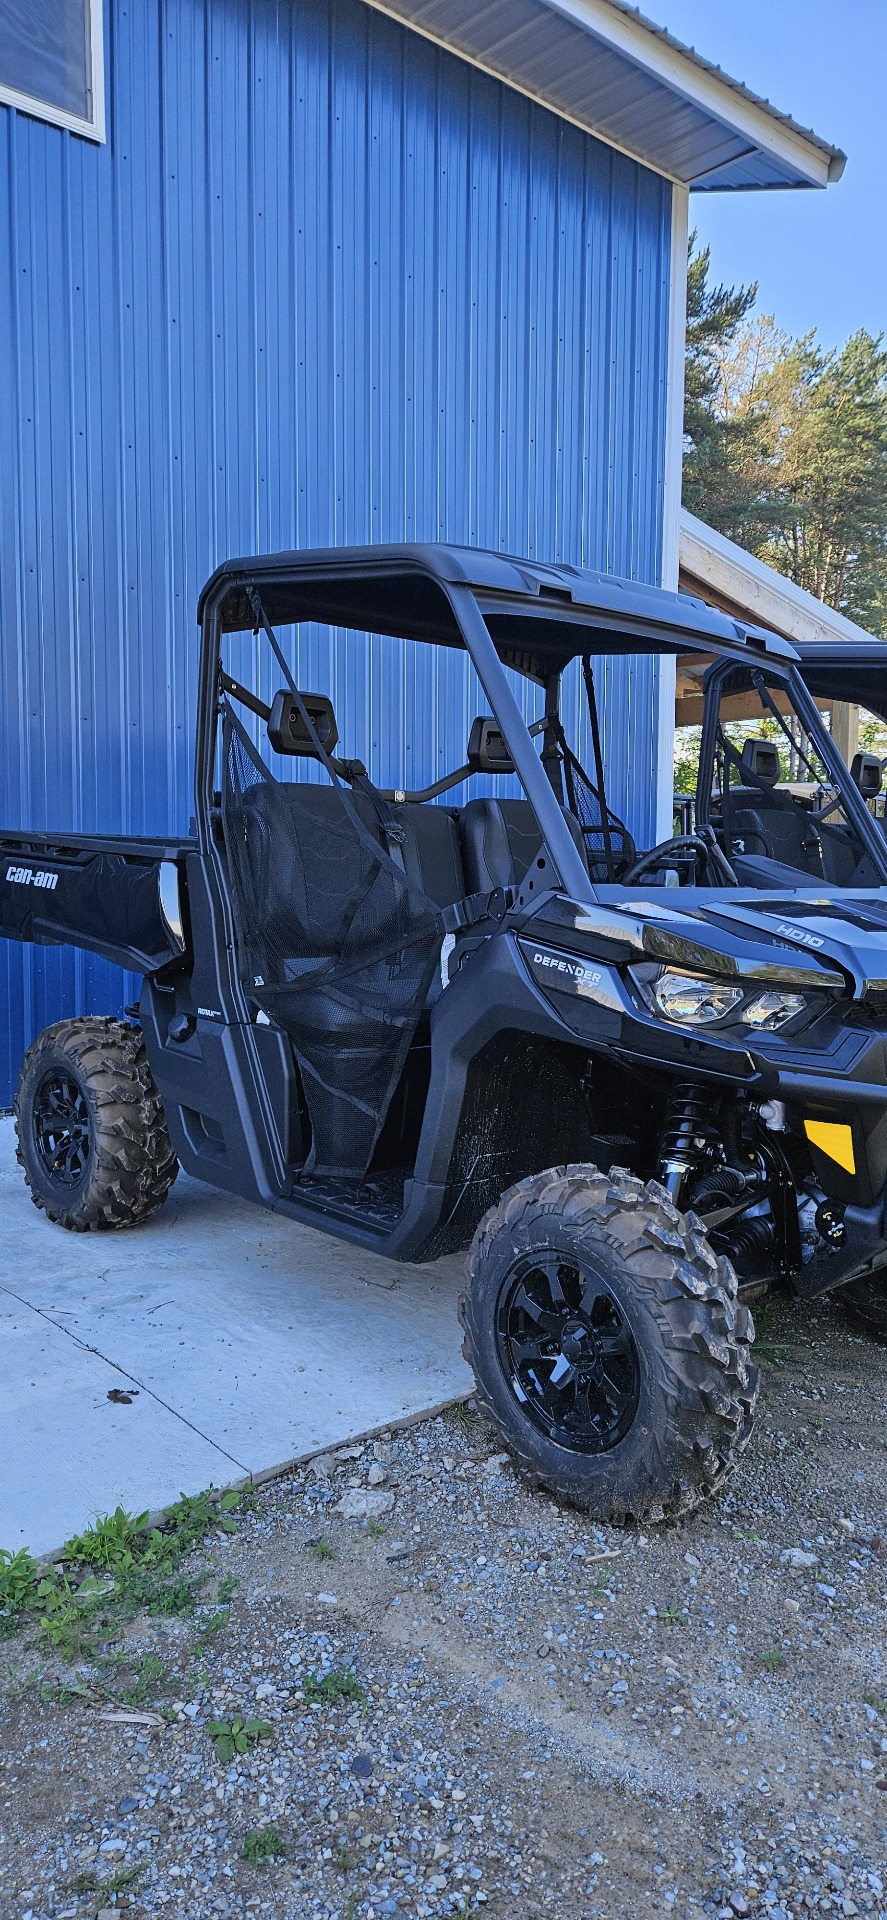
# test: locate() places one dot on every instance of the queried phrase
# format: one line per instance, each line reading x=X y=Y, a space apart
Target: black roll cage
x=501 y=612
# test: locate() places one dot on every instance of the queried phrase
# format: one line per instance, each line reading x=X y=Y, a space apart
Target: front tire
x=90 y=1128
x=608 y=1344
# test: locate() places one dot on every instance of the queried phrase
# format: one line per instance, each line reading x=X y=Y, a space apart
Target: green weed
x=338 y=1685
x=321 y=1549
x=878 y=1701
x=672 y=1615
x=89 y=1882
x=772 y=1659
x=112 y=1543
x=346 y=1862
x=64 y=1611
x=210 y=1628
x=376 y=1530
x=236 y=1736
x=262 y=1844
x=149 y=1674
x=227 y=1588
x=464 y=1416
x=66 y=1691
x=18 y=1579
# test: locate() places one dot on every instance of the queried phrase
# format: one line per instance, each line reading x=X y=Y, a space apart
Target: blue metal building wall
x=324 y=284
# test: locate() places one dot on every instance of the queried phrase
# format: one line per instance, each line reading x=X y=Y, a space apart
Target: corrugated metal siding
x=326 y=283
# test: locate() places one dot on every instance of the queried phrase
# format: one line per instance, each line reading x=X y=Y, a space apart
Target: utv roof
x=853 y=670
x=539 y=616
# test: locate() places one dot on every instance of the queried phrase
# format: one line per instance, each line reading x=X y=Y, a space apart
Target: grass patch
x=113 y=1570
x=210 y=1629
x=464 y=1416
x=321 y=1549
x=772 y=1659
x=328 y=1691
x=261 y=1844
x=90 y=1882
x=149 y=1675
x=346 y=1862
x=376 y=1530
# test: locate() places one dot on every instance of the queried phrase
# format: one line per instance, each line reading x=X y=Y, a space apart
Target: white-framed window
x=51 y=62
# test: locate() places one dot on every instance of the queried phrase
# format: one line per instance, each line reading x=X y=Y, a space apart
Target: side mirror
x=865 y=772
x=487 y=752
x=287 y=731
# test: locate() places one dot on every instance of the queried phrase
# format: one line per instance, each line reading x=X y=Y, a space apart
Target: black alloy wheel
x=62 y=1129
x=609 y=1346
x=92 y=1139
x=568 y=1352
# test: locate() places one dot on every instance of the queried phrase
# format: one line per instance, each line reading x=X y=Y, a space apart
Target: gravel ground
x=478 y=1702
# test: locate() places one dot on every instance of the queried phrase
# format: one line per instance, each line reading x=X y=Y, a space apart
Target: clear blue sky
x=820 y=257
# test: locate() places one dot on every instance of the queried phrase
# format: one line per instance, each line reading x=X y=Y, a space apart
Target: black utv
x=638 y=1085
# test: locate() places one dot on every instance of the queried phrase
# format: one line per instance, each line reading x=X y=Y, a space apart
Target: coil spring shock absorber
x=687 y=1134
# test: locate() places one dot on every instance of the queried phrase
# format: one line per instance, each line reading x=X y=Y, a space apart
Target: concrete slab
x=250 y=1342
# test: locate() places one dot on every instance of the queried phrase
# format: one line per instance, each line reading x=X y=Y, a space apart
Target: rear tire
x=90 y=1128
x=866 y=1303
x=633 y=1395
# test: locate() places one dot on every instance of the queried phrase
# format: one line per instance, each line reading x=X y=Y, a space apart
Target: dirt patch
x=480 y=1702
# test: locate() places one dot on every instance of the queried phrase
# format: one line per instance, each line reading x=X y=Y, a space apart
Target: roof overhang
x=746 y=588
x=603 y=66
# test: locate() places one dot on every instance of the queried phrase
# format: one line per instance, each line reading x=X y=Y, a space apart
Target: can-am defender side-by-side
x=641 y=1084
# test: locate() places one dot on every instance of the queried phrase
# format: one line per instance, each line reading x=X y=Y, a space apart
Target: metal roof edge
x=715 y=561
x=798 y=157
x=754 y=103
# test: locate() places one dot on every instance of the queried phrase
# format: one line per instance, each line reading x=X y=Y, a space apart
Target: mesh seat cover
x=336 y=943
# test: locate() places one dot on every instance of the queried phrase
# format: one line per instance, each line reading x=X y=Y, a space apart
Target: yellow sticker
x=834 y=1139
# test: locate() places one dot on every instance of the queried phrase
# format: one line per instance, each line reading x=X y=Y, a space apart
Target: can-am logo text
x=26 y=877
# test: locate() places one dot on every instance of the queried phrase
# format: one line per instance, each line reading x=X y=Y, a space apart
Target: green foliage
x=714 y=442
x=18 y=1580
x=262 y=1844
x=878 y=1701
x=131 y=1569
x=672 y=1615
x=149 y=1676
x=786 y=445
x=65 y=1610
x=345 y=1861
x=210 y=1628
x=340 y=1684
x=321 y=1549
x=227 y=1588
x=772 y=1659
x=110 y=1544
x=376 y=1530
x=236 y=1736
x=89 y=1882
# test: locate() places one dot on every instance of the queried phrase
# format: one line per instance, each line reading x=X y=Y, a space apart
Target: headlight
x=694 y=1002
x=691 y=1000
x=770 y=1010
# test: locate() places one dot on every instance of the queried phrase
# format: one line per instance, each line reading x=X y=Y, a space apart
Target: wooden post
x=845 y=729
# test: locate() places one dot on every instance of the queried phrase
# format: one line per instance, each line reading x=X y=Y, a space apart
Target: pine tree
x=714 y=438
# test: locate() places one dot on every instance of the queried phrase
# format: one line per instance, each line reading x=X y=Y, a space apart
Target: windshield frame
x=790 y=677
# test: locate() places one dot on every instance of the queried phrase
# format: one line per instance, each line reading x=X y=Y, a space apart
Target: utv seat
x=766 y=823
x=500 y=841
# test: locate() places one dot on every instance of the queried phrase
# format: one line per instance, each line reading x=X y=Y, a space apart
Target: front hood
x=781 y=938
